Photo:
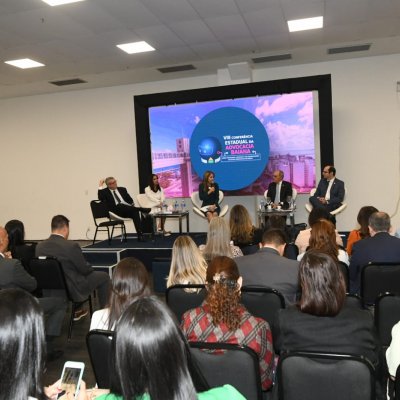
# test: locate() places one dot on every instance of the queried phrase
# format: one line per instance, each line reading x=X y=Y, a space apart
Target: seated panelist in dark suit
x=279 y=190
x=330 y=191
x=121 y=203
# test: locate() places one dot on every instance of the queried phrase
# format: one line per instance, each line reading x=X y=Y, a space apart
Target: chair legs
x=95 y=234
x=74 y=308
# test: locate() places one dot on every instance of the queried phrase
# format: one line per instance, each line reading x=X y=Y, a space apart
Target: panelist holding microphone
x=121 y=203
x=209 y=194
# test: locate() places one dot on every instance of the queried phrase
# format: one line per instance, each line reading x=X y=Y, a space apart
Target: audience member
x=188 y=265
x=275 y=221
x=149 y=359
x=16 y=242
x=130 y=282
x=221 y=317
x=268 y=267
x=363 y=232
x=13 y=275
x=80 y=276
x=22 y=348
x=243 y=232
x=279 y=190
x=321 y=321
x=121 y=203
x=379 y=247
x=330 y=190
x=323 y=240
x=209 y=195
x=303 y=238
x=155 y=197
x=219 y=241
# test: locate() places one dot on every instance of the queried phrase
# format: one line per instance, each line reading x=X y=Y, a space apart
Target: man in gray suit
x=268 y=267
x=81 y=278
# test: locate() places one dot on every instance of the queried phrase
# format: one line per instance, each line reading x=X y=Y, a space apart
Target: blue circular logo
x=234 y=142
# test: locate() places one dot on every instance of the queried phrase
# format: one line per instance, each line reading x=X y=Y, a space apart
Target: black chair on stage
x=99 y=344
x=387 y=314
x=181 y=298
x=327 y=376
x=378 y=278
x=225 y=363
x=103 y=222
x=49 y=275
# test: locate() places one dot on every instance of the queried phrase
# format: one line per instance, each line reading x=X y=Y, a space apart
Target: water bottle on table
x=183 y=205
x=176 y=206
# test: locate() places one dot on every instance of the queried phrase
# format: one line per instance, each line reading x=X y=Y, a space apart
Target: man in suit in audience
x=121 y=203
x=279 y=190
x=330 y=191
x=14 y=275
x=81 y=278
x=268 y=267
x=379 y=247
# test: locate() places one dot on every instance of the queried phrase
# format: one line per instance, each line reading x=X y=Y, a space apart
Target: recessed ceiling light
x=24 y=63
x=136 y=47
x=60 y=2
x=305 y=24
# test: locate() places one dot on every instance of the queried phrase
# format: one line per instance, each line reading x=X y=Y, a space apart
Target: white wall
x=56 y=147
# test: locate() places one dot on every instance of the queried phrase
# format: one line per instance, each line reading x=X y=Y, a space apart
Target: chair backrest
x=160 y=270
x=99 y=344
x=387 y=314
x=327 y=376
x=99 y=210
x=180 y=300
x=294 y=193
x=221 y=197
x=250 y=249
x=263 y=302
x=194 y=197
x=49 y=274
x=223 y=363
x=397 y=384
x=143 y=201
x=353 y=300
x=378 y=278
x=291 y=251
x=345 y=271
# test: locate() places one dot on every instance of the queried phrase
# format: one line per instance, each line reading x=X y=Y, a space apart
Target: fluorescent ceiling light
x=136 y=47
x=305 y=24
x=24 y=63
x=60 y=2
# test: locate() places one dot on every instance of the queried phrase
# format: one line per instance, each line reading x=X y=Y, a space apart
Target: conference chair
x=250 y=249
x=103 y=222
x=143 y=201
x=353 y=300
x=115 y=217
x=99 y=344
x=180 y=300
x=263 y=302
x=378 y=278
x=50 y=275
x=387 y=314
x=160 y=267
x=309 y=206
x=196 y=202
x=327 y=376
x=397 y=384
x=345 y=271
x=226 y=363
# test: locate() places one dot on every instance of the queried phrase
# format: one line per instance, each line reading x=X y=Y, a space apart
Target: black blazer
x=107 y=196
x=286 y=190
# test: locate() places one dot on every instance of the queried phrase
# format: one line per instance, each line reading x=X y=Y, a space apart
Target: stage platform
x=154 y=253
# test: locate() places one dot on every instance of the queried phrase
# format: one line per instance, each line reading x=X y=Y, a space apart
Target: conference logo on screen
x=233 y=143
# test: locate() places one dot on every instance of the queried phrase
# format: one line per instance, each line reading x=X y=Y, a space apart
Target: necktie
x=117 y=199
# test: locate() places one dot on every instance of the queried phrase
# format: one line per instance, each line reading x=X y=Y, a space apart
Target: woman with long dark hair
x=221 y=317
x=149 y=358
x=209 y=195
x=243 y=232
x=130 y=281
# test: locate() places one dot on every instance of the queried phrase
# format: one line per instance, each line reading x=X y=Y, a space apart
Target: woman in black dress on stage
x=209 y=195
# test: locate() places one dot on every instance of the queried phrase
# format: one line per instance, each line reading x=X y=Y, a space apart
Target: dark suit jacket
x=267 y=268
x=107 y=196
x=73 y=262
x=380 y=248
x=286 y=190
x=350 y=332
x=336 y=195
x=13 y=275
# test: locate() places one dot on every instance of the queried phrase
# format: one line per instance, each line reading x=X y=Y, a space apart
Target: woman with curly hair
x=357 y=234
x=188 y=266
x=221 y=317
x=323 y=240
x=243 y=232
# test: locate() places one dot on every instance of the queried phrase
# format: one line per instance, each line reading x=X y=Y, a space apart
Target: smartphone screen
x=70 y=381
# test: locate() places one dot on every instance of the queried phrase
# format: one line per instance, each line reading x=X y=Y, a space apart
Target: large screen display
x=242 y=140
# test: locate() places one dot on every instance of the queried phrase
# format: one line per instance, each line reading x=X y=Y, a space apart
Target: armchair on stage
x=338 y=210
x=197 y=204
x=294 y=194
